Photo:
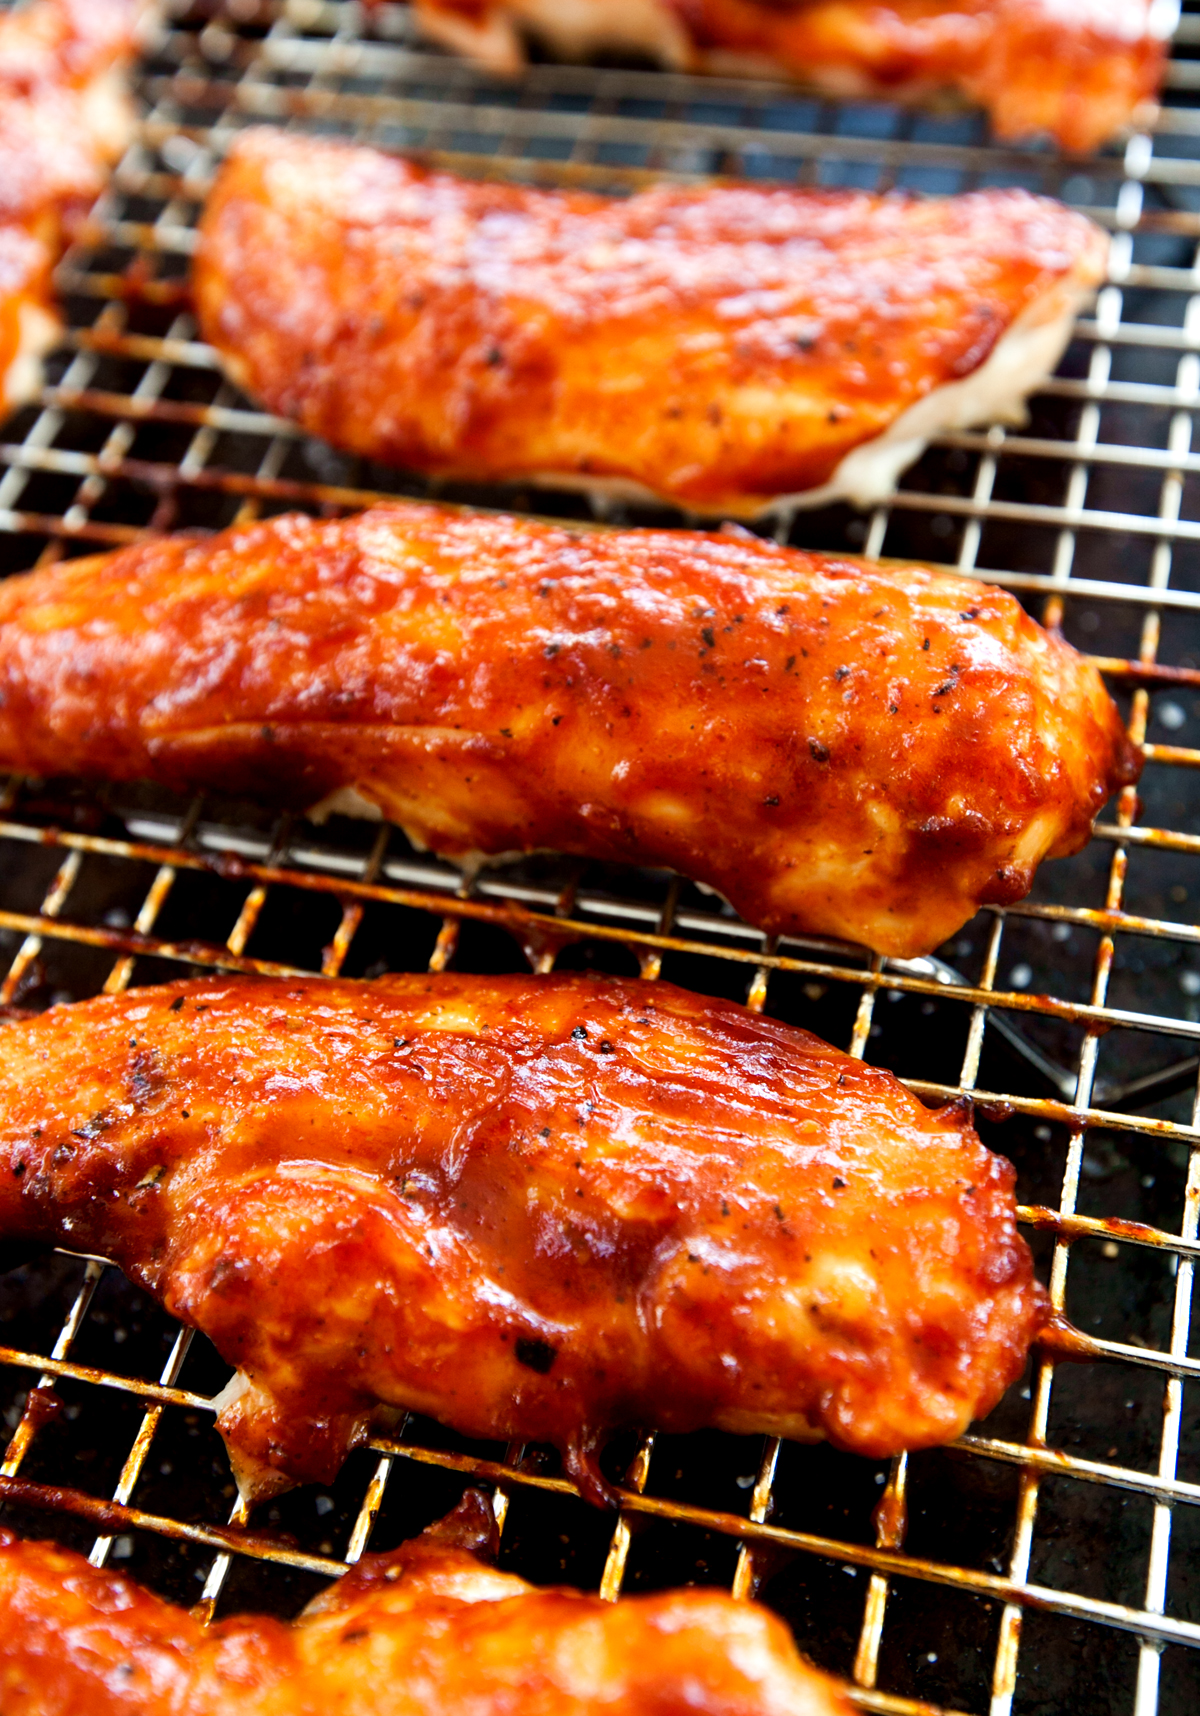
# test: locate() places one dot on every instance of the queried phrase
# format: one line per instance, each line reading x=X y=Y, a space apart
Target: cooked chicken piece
x=530 y=1207
x=428 y=1630
x=29 y=327
x=836 y=748
x=67 y=42
x=65 y=116
x=1079 y=72
x=65 y=111
x=726 y=347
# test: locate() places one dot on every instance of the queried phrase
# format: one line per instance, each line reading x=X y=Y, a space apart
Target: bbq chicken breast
x=65 y=116
x=836 y=748
x=530 y=1207
x=429 y=1630
x=727 y=348
x=1079 y=73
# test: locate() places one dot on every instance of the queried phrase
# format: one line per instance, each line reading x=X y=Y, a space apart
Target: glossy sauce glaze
x=1079 y=71
x=64 y=117
x=530 y=1207
x=836 y=747
x=427 y=1630
x=63 y=112
x=720 y=346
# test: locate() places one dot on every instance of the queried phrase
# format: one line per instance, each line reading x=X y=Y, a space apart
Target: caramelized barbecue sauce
x=718 y=346
x=836 y=748
x=1079 y=72
x=425 y=1629
x=529 y=1207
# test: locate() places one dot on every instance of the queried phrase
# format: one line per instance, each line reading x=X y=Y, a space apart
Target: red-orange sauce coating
x=720 y=345
x=836 y=747
x=1079 y=72
x=64 y=116
x=425 y=1630
x=531 y=1207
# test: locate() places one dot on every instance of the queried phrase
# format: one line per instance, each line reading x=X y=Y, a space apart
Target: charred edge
x=536 y=1355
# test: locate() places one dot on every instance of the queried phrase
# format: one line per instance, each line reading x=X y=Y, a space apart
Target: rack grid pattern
x=1092 y=514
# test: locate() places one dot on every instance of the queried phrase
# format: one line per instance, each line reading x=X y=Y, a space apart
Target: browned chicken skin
x=722 y=347
x=530 y=1207
x=428 y=1630
x=837 y=748
x=1079 y=71
x=64 y=117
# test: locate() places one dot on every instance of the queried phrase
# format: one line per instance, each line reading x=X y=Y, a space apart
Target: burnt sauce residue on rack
x=1079 y=512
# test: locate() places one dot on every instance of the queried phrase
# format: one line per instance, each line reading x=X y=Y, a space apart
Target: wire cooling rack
x=1045 y=1563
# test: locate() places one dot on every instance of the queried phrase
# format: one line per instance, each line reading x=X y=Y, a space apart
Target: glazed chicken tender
x=837 y=748
x=65 y=116
x=530 y=1207
x=427 y=1630
x=724 y=347
x=1080 y=72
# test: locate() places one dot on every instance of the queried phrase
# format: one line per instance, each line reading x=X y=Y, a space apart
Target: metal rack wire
x=1047 y=1558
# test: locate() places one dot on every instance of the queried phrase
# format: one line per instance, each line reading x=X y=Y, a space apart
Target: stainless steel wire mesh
x=1046 y=1562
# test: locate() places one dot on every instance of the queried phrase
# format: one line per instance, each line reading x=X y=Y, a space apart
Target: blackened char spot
x=145 y=1078
x=536 y=1355
x=94 y=1125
